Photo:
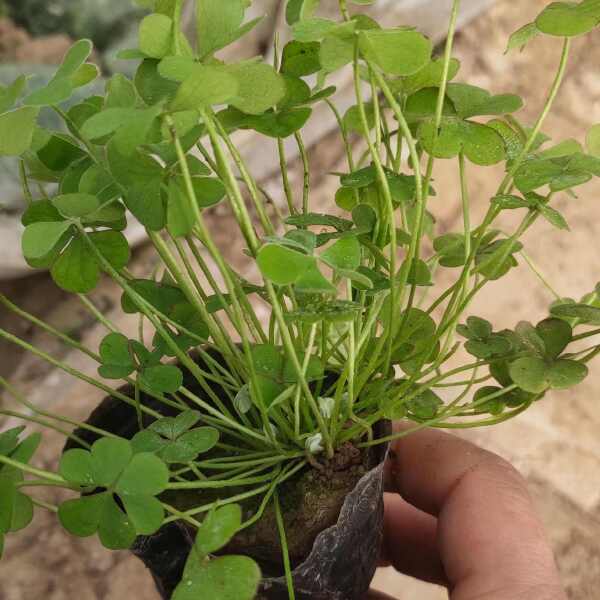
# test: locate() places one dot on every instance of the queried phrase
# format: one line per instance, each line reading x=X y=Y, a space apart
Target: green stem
x=284 y=548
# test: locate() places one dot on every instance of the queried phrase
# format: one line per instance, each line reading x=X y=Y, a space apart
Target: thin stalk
x=305 y=170
x=42 y=474
x=284 y=548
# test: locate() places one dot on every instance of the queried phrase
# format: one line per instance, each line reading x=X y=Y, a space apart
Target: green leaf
x=120 y=92
x=397 y=52
x=76 y=467
x=109 y=456
x=226 y=578
x=81 y=517
x=56 y=92
x=146 y=513
x=75 y=57
x=9 y=440
x=556 y=335
x=208 y=191
x=75 y=205
x=430 y=76
x=593 y=141
x=16 y=130
x=566 y=373
x=425 y=406
x=451 y=248
x=472 y=101
x=567 y=19
x=535 y=375
x=206 y=86
x=160 y=295
x=76 y=269
x=299 y=10
x=300 y=59
x=312 y=281
x=39 y=239
x=117 y=361
x=217 y=529
x=145 y=202
x=115 y=529
x=553 y=217
x=590 y=315
x=145 y=475
x=312 y=30
x=85 y=75
x=482 y=145
x=281 y=265
x=190 y=444
x=163 y=378
x=151 y=87
x=520 y=38
x=218 y=24
x=22 y=514
x=59 y=152
x=260 y=87
x=106 y=122
x=344 y=254
x=27 y=448
x=156 y=35
x=10 y=94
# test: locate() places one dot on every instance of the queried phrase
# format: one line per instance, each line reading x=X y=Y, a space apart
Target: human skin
x=462 y=517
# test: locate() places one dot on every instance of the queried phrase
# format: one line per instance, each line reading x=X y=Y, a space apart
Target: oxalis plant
x=230 y=409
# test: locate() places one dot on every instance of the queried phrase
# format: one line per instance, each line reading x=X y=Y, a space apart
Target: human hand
x=462 y=517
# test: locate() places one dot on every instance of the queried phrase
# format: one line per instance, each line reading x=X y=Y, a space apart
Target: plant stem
x=284 y=547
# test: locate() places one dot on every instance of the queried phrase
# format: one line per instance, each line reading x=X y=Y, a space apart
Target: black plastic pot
x=343 y=558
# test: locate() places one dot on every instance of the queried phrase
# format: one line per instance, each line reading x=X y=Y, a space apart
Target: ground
x=556 y=445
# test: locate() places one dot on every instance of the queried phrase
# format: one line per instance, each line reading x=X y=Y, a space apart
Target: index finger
x=490 y=539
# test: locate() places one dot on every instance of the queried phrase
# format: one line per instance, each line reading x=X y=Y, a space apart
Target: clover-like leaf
x=136 y=478
x=559 y=172
x=217 y=529
x=282 y=265
x=584 y=313
x=206 y=86
x=162 y=378
x=536 y=375
x=16 y=130
x=144 y=475
x=396 y=51
x=520 y=38
x=156 y=35
x=226 y=578
x=260 y=87
x=567 y=19
x=174 y=440
x=344 y=254
x=425 y=406
x=41 y=238
x=219 y=24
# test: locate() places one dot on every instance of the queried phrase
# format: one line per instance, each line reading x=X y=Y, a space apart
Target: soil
x=310 y=504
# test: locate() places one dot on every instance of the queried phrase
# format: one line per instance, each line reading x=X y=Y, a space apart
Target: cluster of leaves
x=120 y=488
x=175 y=439
x=16 y=508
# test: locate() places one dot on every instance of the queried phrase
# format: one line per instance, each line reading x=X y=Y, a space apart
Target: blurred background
x=556 y=445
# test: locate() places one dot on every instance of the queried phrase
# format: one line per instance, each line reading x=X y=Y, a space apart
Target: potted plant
x=243 y=457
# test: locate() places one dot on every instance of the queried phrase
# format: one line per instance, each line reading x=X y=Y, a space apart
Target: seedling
x=231 y=408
